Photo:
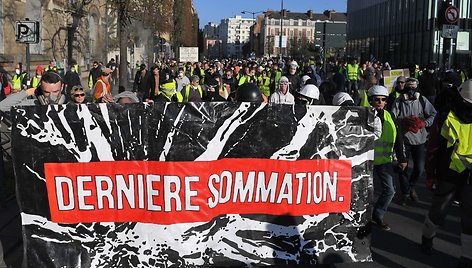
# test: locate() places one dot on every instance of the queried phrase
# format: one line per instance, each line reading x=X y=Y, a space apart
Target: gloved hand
x=413 y=123
x=408 y=122
x=419 y=123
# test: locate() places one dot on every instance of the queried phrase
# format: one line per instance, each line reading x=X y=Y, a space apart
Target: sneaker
x=414 y=196
x=427 y=245
x=381 y=224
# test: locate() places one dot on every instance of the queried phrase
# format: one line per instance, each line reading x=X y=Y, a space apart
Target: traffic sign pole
x=28 y=64
x=448 y=33
x=27 y=32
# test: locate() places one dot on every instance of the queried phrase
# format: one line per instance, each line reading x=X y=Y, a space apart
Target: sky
x=215 y=10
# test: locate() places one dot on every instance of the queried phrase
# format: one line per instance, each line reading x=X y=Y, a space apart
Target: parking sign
x=27 y=32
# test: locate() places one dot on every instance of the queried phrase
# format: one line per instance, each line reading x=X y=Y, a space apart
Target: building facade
x=54 y=18
x=406 y=31
x=234 y=33
x=298 y=30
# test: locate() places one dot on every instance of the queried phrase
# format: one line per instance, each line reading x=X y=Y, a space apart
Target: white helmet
x=466 y=90
x=310 y=91
x=377 y=91
x=341 y=97
x=304 y=79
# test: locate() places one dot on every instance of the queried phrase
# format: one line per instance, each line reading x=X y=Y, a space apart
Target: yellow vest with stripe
x=352 y=72
x=34 y=81
x=17 y=81
x=187 y=92
x=383 y=147
x=458 y=135
x=168 y=89
x=90 y=83
x=364 y=98
x=278 y=74
x=177 y=95
x=247 y=79
x=264 y=85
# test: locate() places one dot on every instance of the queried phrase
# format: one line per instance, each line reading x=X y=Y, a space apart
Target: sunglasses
x=380 y=99
x=79 y=95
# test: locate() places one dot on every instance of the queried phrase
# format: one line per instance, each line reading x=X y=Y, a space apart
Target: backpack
x=5 y=85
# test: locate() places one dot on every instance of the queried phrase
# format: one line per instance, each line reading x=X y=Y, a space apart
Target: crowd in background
x=422 y=123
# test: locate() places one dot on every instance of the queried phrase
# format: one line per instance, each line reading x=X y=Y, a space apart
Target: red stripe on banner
x=182 y=192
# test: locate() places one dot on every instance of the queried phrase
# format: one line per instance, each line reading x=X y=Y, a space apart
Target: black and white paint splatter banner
x=192 y=185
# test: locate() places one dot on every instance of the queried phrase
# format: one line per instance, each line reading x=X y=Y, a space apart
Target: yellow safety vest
x=187 y=92
x=17 y=81
x=34 y=81
x=264 y=85
x=352 y=72
x=168 y=89
x=177 y=95
x=383 y=147
x=458 y=135
x=364 y=98
x=247 y=79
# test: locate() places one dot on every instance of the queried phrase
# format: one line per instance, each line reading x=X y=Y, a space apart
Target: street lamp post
x=254 y=23
x=281 y=29
x=253 y=13
x=123 y=69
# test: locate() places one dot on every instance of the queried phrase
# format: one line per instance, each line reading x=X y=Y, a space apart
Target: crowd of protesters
x=422 y=124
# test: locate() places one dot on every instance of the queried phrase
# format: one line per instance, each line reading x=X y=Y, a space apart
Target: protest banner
x=192 y=185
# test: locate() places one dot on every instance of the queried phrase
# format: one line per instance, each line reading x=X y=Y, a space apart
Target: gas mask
x=51 y=99
x=411 y=92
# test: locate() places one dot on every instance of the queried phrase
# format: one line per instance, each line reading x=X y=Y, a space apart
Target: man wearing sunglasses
x=398 y=90
x=384 y=148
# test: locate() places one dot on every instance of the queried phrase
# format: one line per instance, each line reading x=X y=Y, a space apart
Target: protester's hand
x=420 y=123
x=409 y=122
x=265 y=99
x=108 y=98
x=30 y=91
x=403 y=165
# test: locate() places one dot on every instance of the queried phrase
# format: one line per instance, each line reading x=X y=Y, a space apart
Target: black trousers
x=442 y=200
